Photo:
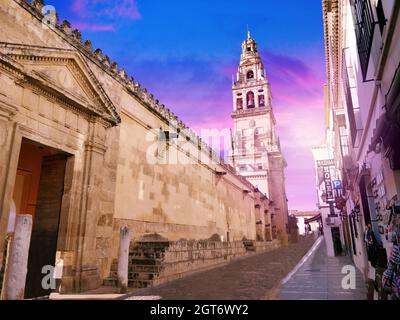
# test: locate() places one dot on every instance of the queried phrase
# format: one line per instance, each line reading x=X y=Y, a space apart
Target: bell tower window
x=250 y=75
x=250 y=99
x=261 y=100
x=239 y=103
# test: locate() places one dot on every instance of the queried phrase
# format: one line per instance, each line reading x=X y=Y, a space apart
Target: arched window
x=250 y=75
x=250 y=99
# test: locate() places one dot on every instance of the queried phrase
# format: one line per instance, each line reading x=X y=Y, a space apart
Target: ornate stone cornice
x=331 y=17
x=250 y=112
x=7 y=111
x=14 y=56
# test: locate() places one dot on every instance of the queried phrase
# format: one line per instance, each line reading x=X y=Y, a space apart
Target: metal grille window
x=364 y=26
x=381 y=15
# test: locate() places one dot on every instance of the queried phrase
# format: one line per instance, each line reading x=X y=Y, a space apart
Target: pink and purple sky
x=185 y=52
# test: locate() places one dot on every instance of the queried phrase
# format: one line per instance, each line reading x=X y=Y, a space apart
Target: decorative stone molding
x=106 y=61
x=66 y=27
x=98 y=54
x=88 y=45
x=38 y=5
x=15 y=57
x=137 y=88
x=151 y=98
x=114 y=67
x=7 y=111
x=122 y=75
x=144 y=95
x=76 y=35
x=131 y=85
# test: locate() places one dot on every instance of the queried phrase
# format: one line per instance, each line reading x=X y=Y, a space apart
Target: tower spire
x=248 y=33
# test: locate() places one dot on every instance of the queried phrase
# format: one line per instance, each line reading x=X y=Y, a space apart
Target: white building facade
x=362 y=40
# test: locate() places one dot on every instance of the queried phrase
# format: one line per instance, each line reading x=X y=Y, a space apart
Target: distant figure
x=370 y=242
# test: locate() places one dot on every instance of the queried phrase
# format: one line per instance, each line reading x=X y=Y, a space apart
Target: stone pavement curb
x=303 y=260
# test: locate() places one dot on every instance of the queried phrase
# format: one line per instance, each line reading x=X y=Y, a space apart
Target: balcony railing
x=381 y=15
x=364 y=26
x=349 y=102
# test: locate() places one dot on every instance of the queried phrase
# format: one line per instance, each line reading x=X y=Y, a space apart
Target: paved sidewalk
x=320 y=278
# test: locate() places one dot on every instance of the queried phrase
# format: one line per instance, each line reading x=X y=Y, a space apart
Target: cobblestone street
x=320 y=278
x=253 y=278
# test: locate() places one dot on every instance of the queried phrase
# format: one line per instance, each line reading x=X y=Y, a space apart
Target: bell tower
x=257 y=153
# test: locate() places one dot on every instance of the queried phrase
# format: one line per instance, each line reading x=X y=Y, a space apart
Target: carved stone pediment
x=63 y=74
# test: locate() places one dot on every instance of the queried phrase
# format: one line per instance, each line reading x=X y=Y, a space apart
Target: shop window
x=364 y=201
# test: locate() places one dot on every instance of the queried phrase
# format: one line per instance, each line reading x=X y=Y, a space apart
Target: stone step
x=136 y=275
x=142 y=255
x=140 y=283
x=110 y=282
x=137 y=265
x=145 y=262
x=147 y=250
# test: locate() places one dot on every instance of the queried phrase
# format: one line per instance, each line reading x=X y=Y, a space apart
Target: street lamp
x=343 y=216
x=356 y=213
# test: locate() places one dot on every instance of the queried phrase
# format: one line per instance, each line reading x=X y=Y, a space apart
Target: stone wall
x=155 y=262
x=183 y=258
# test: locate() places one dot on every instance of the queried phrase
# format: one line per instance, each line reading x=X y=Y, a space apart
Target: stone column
x=86 y=269
x=18 y=262
x=9 y=146
x=123 y=259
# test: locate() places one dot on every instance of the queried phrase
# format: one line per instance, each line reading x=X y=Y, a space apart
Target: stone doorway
x=38 y=191
x=337 y=243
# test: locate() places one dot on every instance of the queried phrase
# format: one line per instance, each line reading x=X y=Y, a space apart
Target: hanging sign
x=328 y=185
x=326 y=163
x=337 y=184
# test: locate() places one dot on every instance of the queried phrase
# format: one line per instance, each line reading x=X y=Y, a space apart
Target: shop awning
x=316 y=218
x=386 y=131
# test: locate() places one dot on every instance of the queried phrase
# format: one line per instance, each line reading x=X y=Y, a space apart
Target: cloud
x=93 y=13
x=304 y=81
x=92 y=26
x=108 y=9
